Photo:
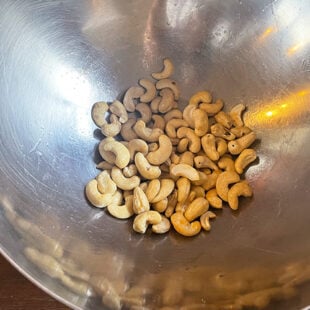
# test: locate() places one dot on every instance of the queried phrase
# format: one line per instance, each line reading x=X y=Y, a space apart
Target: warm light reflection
x=294 y=49
x=266 y=33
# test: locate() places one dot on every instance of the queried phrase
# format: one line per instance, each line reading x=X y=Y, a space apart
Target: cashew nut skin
x=182 y=146
x=145 y=133
x=130 y=171
x=212 y=108
x=145 y=111
x=166 y=188
x=98 y=113
x=124 y=211
x=174 y=124
x=150 y=92
x=137 y=145
x=236 y=114
x=163 y=153
x=132 y=93
x=239 y=189
x=174 y=113
x=160 y=206
x=218 y=130
x=235 y=147
x=224 y=119
x=172 y=202
x=168 y=83
x=194 y=141
x=199 y=97
x=167 y=100
x=122 y=155
x=196 y=208
x=188 y=115
x=240 y=131
x=127 y=131
x=140 y=201
x=187 y=158
x=214 y=200
x=142 y=220
x=106 y=155
x=223 y=181
x=184 y=170
x=201 y=122
x=246 y=157
x=113 y=128
x=123 y=182
x=184 y=188
x=205 y=220
x=105 y=184
x=183 y=226
x=209 y=146
x=204 y=162
x=226 y=163
x=155 y=104
x=166 y=72
x=145 y=169
x=119 y=110
x=96 y=198
x=159 y=122
x=162 y=227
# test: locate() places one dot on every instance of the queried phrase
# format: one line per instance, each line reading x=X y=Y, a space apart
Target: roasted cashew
x=201 y=122
x=98 y=113
x=205 y=220
x=166 y=72
x=130 y=171
x=182 y=146
x=140 y=201
x=166 y=188
x=160 y=206
x=145 y=111
x=96 y=198
x=184 y=188
x=127 y=131
x=214 y=200
x=223 y=181
x=175 y=141
x=145 y=133
x=142 y=220
x=240 y=131
x=226 y=163
x=163 y=153
x=202 y=178
x=122 y=155
x=131 y=94
x=175 y=159
x=209 y=146
x=105 y=184
x=196 y=208
x=235 y=147
x=212 y=108
x=172 y=202
x=200 y=97
x=224 y=119
x=123 y=182
x=188 y=115
x=174 y=113
x=184 y=170
x=204 y=162
x=150 y=92
x=153 y=147
x=183 y=226
x=173 y=125
x=219 y=130
x=236 y=114
x=124 y=211
x=211 y=180
x=164 y=167
x=104 y=165
x=246 y=157
x=162 y=227
x=158 y=122
x=194 y=141
x=155 y=104
x=198 y=190
x=187 y=158
x=239 y=189
x=167 y=100
x=221 y=146
x=137 y=145
x=168 y=83
x=145 y=169
x=113 y=128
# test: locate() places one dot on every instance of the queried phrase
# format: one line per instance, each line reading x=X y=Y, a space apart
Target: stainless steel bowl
x=59 y=57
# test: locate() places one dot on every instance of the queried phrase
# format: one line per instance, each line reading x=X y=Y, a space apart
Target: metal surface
x=59 y=57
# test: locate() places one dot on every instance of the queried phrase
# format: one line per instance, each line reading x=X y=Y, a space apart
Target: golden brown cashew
x=194 y=141
x=236 y=114
x=205 y=220
x=182 y=146
x=201 y=122
x=145 y=111
x=219 y=130
x=223 y=181
x=184 y=188
x=196 y=208
x=162 y=227
x=198 y=190
x=204 y=162
x=187 y=158
x=166 y=72
x=140 y=201
x=106 y=155
x=211 y=180
x=113 y=128
x=172 y=202
x=150 y=92
x=127 y=131
x=119 y=110
x=123 y=182
x=104 y=165
x=214 y=200
x=130 y=171
x=155 y=104
x=166 y=188
x=239 y=189
x=131 y=94
x=96 y=198
x=175 y=159
x=212 y=108
x=221 y=146
x=246 y=157
x=145 y=133
x=188 y=115
x=98 y=113
x=124 y=211
x=159 y=122
x=183 y=226
x=235 y=147
x=240 y=131
x=167 y=100
x=160 y=206
x=174 y=113
x=224 y=119
x=226 y=163
x=203 y=177
x=145 y=169
x=183 y=170
x=122 y=155
x=209 y=146
x=105 y=184
x=199 y=97
x=173 y=125
x=163 y=153
x=144 y=219
x=168 y=83
x=137 y=145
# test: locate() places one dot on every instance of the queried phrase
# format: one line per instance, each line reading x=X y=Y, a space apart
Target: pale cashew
x=214 y=200
x=172 y=202
x=200 y=97
x=105 y=184
x=183 y=226
x=246 y=157
x=187 y=158
x=168 y=83
x=160 y=206
x=175 y=159
x=203 y=177
x=159 y=122
x=162 y=227
x=240 y=131
x=104 y=165
x=94 y=196
x=117 y=198
x=167 y=100
x=140 y=201
x=226 y=163
x=205 y=220
x=196 y=208
x=143 y=186
x=137 y=145
x=113 y=128
x=194 y=141
x=123 y=182
x=145 y=133
x=219 y=130
x=239 y=189
x=122 y=155
x=163 y=153
x=145 y=169
x=166 y=188
x=184 y=170
x=127 y=131
x=211 y=180
x=131 y=94
x=174 y=113
x=182 y=146
x=155 y=104
x=235 y=147
x=223 y=181
x=130 y=171
x=144 y=219
x=173 y=125
x=201 y=122
x=98 y=113
x=212 y=108
x=188 y=115
x=124 y=211
x=236 y=114
x=198 y=190
x=221 y=146
x=184 y=188
x=119 y=110
x=145 y=112
x=106 y=155
x=150 y=92
x=224 y=119
x=166 y=72
x=202 y=161
x=153 y=147
x=209 y=146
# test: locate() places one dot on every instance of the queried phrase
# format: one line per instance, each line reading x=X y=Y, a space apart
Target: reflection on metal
x=270 y=30
x=295 y=48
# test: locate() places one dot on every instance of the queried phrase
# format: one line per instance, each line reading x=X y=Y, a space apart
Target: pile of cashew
x=168 y=167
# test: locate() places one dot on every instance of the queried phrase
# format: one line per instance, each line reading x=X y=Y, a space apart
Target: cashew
x=199 y=97
x=105 y=184
x=166 y=72
x=163 y=153
x=117 y=198
x=184 y=170
x=236 y=114
x=145 y=133
x=211 y=180
x=223 y=181
x=221 y=146
x=167 y=100
x=174 y=124
x=150 y=92
x=175 y=141
x=164 y=167
x=112 y=129
x=239 y=189
x=104 y=165
x=201 y=122
x=183 y=226
x=205 y=220
x=166 y=188
x=119 y=110
x=240 y=131
x=196 y=208
x=162 y=227
x=204 y=162
x=155 y=104
x=94 y=196
x=246 y=157
x=130 y=171
x=131 y=94
x=128 y=192
x=127 y=131
x=214 y=200
x=219 y=130
x=168 y=83
x=145 y=112
x=98 y=113
x=184 y=187
x=194 y=141
x=142 y=220
x=143 y=186
x=209 y=146
x=106 y=155
x=224 y=119
x=226 y=163
x=174 y=113
x=122 y=155
x=140 y=201
x=202 y=178
x=237 y=146
x=124 y=211
x=198 y=190
x=159 y=122
x=188 y=115
x=160 y=206
x=175 y=159
x=153 y=147
x=145 y=169
x=123 y=182
x=182 y=146
x=212 y=108
x=172 y=202
x=137 y=145
x=187 y=158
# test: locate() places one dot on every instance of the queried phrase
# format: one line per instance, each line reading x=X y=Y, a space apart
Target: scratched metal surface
x=59 y=57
